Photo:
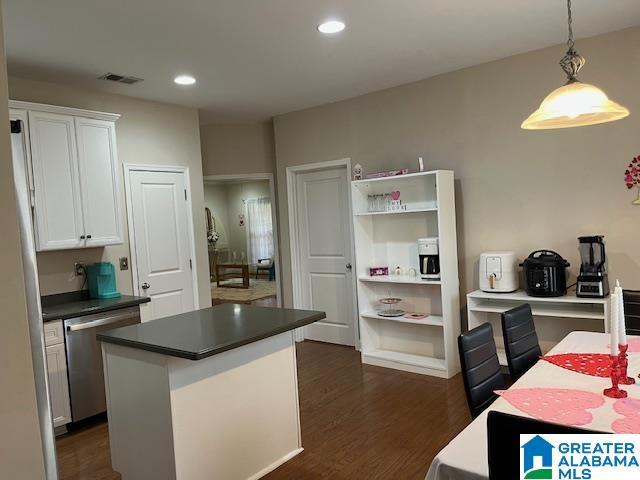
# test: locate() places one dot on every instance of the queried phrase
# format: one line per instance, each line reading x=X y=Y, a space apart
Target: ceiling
x=254 y=59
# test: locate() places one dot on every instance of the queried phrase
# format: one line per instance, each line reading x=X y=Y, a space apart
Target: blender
x=593 y=281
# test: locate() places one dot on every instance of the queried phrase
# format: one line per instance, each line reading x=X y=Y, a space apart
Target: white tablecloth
x=465 y=458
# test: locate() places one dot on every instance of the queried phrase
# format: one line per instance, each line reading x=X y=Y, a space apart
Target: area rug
x=257 y=289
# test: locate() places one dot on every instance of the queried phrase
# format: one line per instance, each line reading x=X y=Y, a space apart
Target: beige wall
x=237 y=148
x=215 y=197
x=21 y=453
x=147 y=133
x=515 y=189
x=236 y=193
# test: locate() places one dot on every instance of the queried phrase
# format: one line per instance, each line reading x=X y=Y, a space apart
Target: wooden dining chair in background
x=480 y=367
x=503 y=441
x=631 y=300
x=520 y=340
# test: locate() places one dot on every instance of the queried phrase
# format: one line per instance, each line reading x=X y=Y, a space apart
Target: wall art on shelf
x=632 y=177
x=378 y=271
x=389 y=173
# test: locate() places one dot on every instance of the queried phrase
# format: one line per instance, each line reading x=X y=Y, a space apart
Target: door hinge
x=190 y=264
x=16 y=126
x=185 y=194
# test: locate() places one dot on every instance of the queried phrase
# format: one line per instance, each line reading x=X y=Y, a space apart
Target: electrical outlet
x=78 y=269
x=124 y=263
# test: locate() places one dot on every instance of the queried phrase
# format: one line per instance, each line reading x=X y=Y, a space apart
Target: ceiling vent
x=114 y=77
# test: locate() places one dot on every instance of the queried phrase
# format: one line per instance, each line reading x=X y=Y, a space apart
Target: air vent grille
x=114 y=77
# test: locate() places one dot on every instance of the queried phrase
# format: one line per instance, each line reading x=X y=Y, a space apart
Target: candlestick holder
x=615 y=391
x=623 y=362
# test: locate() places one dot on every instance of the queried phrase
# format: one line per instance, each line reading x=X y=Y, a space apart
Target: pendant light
x=575 y=104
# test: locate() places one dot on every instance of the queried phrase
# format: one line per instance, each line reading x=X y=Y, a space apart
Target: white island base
x=230 y=416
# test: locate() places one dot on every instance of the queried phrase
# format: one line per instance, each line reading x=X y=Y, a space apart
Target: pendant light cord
x=570 y=42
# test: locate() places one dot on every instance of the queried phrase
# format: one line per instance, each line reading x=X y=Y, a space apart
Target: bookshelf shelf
x=427 y=346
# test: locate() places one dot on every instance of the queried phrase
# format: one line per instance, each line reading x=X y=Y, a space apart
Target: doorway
x=242 y=239
x=161 y=237
x=322 y=252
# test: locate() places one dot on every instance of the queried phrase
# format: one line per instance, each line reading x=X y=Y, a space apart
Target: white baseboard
x=276 y=464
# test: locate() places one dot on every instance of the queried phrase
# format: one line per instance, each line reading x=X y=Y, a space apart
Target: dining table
x=566 y=387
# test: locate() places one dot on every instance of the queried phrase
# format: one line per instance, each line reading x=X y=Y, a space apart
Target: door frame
x=294 y=240
x=274 y=217
x=131 y=167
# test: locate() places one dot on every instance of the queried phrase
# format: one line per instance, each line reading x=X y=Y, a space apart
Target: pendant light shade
x=574 y=105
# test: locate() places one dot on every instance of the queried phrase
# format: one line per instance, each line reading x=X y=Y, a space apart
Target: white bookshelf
x=555 y=317
x=389 y=239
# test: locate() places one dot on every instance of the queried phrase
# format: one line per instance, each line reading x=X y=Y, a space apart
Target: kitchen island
x=210 y=394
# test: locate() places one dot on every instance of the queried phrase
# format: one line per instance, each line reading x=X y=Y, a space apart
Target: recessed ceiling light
x=331 y=26
x=184 y=80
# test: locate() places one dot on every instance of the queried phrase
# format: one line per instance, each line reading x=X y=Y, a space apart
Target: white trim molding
x=74 y=112
x=294 y=241
x=274 y=216
x=128 y=168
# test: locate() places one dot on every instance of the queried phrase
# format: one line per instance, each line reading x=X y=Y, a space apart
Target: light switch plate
x=124 y=263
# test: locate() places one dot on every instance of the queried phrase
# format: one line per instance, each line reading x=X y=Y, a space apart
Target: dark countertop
x=203 y=333
x=78 y=304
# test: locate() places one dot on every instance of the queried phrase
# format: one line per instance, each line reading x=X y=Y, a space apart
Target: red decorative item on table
x=615 y=391
x=594 y=364
x=623 y=361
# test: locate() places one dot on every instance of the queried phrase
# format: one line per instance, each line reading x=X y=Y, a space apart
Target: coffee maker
x=429 y=258
x=593 y=280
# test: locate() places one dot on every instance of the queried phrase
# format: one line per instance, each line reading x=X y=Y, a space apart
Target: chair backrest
x=520 y=340
x=632 y=310
x=503 y=441
x=480 y=367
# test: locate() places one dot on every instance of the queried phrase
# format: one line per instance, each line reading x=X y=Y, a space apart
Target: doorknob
x=349 y=266
x=146 y=286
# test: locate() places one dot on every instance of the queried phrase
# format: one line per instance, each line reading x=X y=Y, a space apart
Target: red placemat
x=629 y=408
x=557 y=405
x=594 y=364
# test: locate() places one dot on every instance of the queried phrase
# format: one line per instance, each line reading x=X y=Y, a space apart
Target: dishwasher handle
x=102 y=321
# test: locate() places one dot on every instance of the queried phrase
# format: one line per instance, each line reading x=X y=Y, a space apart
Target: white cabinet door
x=58 y=384
x=99 y=181
x=58 y=212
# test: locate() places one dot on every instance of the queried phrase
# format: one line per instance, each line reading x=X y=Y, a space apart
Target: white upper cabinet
x=58 y=211
x=99 y=181
x=76 y=177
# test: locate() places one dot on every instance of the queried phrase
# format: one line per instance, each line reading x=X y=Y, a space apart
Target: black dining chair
x=520 y=340
x=480 y=367
x=503 y=441
x=631 y=299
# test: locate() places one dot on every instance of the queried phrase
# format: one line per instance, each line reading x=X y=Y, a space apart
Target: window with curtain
x=259 y=229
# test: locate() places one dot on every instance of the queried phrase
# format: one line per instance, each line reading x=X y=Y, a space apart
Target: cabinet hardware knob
x=88 y=237
x=146 y=286
x=82 y=237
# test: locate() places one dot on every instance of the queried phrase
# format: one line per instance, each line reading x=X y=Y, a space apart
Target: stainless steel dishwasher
x=84 y=358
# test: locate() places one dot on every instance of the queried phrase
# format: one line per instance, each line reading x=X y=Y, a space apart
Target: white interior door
x=324 y=240
x=162 y=242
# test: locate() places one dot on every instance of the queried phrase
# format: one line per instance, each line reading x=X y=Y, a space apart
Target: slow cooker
x=545 y=274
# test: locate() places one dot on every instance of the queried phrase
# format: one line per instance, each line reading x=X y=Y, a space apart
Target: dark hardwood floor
x=358 y=422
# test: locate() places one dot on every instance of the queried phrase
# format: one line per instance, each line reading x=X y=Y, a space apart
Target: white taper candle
x=614 y=322
x=622 y=320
